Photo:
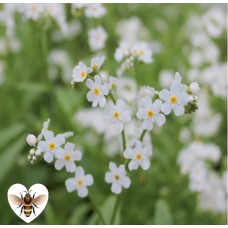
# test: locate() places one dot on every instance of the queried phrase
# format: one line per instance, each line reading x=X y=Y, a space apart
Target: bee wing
x=15 y=200
x=39 y=199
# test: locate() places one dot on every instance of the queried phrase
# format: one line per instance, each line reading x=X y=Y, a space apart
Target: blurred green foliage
x=28 y=97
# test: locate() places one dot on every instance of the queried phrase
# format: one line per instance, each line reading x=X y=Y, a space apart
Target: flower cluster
x=97 y=36
x=55 y=148
x=151 y=108
x=194 y=161
x=126 y=54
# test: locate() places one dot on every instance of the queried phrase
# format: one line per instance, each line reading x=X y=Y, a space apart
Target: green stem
x=112 y=97
x=137 y=77
x=97 y=209
x=114 y=211
x=123 y=140
x=142 y=135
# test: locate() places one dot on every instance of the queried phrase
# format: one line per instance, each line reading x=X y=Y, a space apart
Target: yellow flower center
x=94 y=8
x=67 y=157
x=138 y=156
x=173 y=99
x=96 y=91
x=117 y=177
x=150 y=113
x=97 y=37
x=94 y=66
x=79 y=182
x=83 y=74
x=114 y=85
x=134 y=52
x=141 y=52
x=34 y=8
x=51 y=146
x=116 y=115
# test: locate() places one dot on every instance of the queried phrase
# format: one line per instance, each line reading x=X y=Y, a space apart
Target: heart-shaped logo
x=28 y=204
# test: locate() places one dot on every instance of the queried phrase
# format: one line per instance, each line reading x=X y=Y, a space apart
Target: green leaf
x=10 y=133
x=49 y=214
x=162 y=214
x=34 y=88
x=9 y=156
x=107 y=210
x=79 y=214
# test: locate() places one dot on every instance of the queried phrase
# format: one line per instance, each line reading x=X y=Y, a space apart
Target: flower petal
x=145 y=164
x=59 y=164
x=82 y=192
x=159 y=119
x=88 y=180
x=90 y=83
x=112 y=167
x=70 y=184
x=79 y=172
x=164 y=94
x=133 y=165
x=102 y=101
x=116 y=188
x=76 y=155
x=90 y=96
x=178 y=110
x=69 y=147
x=42 y=146
x=59 y=153
x=128 y=153
x=109 y=177
x=48 y=157
x=166 y=108
x=70 y=166
x=48 y=135
x=59 y=139
x=126 y=182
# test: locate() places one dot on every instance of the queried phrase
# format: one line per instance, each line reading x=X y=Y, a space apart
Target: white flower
x=67 y=157
x=31 y=140
x=97 y=62
x=139 y=156
x=97 y=92
x=51 y=145
x=142 y=51
x=117 y=177
x=176 y=98
x=45 y=127
x=79 y=182
x=121 y=52
x=194 y=88
x=150 y=113
x=95 y=10
x=79 y=72
x=197 y=185
x=118 y=114
x=113 y=83
x=33 y=11
x=97 y=38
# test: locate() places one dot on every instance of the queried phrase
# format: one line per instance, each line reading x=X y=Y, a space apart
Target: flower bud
x=37 y=153
x=190 y=99
x=194 y=87
x=32 y=152
x=31 y=140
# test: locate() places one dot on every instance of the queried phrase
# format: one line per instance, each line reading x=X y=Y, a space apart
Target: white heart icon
x=27 y=204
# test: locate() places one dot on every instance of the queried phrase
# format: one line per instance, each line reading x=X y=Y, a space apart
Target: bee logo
x=27 y=203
